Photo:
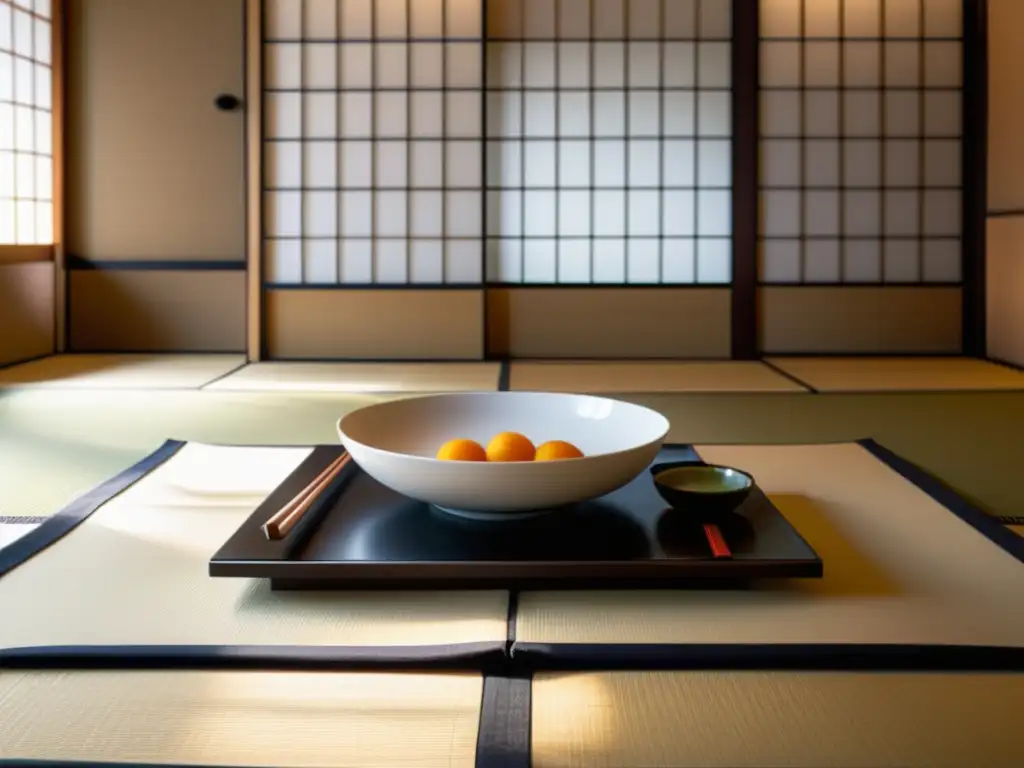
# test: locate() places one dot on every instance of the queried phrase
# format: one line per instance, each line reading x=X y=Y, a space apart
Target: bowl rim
x=660 y=439
x=657 y=472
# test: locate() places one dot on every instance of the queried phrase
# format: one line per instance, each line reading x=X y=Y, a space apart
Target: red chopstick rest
x=719 y=549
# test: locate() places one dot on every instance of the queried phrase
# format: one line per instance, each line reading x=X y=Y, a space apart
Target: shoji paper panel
x=861 y=148
x=373 y=142
x=608 y=142
x=26 y=123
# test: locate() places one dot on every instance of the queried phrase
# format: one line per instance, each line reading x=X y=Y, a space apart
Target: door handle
x=227 y=102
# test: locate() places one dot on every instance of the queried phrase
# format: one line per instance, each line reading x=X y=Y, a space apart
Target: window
x=373 y=166
x=26 y=123
x=861 y=148
x=569 y=142
x=608 y=142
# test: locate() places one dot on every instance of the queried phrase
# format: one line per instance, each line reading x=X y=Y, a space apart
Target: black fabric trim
x=75 y=513
x=988 y=526
x=503 y=737
x=16 y=763
x=769 y=656
x=221 y=377
x=77 y=263
x=787 y=375
x=479 y=656
x=513 y=613
x=1004 y=363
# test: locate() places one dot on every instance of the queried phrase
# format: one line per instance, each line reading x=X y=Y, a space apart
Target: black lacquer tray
x=362 y=535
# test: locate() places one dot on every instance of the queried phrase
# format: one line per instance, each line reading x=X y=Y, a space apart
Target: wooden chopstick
x=278 y=526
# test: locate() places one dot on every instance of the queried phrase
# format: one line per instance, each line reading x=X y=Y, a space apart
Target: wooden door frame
x=59 y=116
x=746 y=130
x=253 y=102
x=974 y=184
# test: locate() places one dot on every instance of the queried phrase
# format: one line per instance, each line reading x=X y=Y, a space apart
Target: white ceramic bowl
x=395 y=443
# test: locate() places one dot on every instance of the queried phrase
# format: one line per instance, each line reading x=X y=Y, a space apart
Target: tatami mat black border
x=71 y=516
x=787 y=375
x=76 y=263
x=597 y=657
x=510 y=621
x=24 y=361
x=16 y=763
x=988 y=526
x=483 y=657
x=504 y=734
x=221 y=376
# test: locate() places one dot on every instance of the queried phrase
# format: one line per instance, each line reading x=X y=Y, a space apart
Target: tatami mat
x=898 y=568
x=895 y=374
x=10 y=532
x=281 y=719
x=752 y=719
x=625 y=376
x=361 y=377
x=56 y=444
x=121 y=371
x=136 y=573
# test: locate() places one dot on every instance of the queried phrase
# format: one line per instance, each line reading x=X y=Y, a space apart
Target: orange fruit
x=510 y=446
x=553 y=450
x=462 y=450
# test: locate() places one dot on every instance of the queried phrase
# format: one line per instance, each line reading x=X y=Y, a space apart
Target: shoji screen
x=861 y=174
x=26 y=123
x=372 y=170
x=608 y=164
x=608 y=142
x=373 y=142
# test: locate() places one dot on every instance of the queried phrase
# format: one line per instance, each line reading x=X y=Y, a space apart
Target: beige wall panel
x=1006 y=105
x=610 y=323
x=921 y=319
x=157 y=311
x=1005 y=289
x=859 y=320
x=26 y=311
x=375 y=324
x=154 y=170
x=19 y=254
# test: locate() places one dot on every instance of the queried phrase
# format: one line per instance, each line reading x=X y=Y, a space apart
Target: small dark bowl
x=706 y=490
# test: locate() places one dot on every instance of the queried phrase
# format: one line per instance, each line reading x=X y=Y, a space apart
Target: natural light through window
x=512 y=142
x=861 y=141
x=26 y=123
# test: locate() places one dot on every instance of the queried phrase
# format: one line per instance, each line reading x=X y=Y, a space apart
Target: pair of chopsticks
x=278 y=526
